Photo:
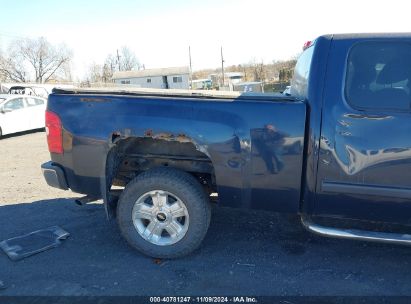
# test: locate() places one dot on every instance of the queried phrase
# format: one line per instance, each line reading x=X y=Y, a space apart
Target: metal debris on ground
x=26 y=245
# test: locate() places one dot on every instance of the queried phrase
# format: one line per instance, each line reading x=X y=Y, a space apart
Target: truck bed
x=250 y=146
x=171 y=93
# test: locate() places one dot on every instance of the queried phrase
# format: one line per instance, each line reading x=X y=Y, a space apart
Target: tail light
x=307 y=45
x=54 y=134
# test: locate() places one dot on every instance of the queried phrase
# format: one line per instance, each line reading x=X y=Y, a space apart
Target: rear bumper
x=54 y=176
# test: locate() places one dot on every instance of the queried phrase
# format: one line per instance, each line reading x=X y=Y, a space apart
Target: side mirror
x=5 y=110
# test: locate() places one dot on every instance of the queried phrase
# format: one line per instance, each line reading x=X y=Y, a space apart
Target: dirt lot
x=21 y=178
x=244 y=253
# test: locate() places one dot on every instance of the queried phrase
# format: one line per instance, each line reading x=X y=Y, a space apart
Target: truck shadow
x=241 y=245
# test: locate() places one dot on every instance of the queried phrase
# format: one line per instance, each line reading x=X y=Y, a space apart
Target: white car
x=20 y=113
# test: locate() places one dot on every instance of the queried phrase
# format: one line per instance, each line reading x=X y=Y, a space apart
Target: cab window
x=299 y=84
x=379 y=76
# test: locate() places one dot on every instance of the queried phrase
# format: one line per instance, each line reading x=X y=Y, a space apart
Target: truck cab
x=363 y=146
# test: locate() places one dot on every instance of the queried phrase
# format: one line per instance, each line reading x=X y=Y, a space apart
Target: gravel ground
x=244 y=253
x=21 y=178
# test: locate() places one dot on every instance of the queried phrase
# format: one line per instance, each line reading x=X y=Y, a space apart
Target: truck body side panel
x=255 y=146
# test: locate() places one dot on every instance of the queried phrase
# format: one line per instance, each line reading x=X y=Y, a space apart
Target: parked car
x=20 y=113
x=338 y=148
x=29 y=90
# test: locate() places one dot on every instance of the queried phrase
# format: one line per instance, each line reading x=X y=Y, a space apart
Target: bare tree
x=123 y=60
x=2 y=76
x=109 y=67
x=12 y=69
x=128 y=60
x=258 y=70
x=45 y=59
x=111 y=62
x=65 y=73
x=98 y=73
x=107 y=73
x=95 y=73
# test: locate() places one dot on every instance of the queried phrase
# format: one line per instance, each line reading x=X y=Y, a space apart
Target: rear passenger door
x=36 y=112
x=364 y=169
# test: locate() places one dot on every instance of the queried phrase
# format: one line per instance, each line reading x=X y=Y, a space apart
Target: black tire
x=179 y=183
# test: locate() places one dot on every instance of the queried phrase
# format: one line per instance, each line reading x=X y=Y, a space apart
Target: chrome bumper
x=54 y=176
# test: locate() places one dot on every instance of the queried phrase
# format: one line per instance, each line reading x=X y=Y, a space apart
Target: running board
x=356 y=234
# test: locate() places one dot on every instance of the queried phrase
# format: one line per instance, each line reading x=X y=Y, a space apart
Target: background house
x=165 y=78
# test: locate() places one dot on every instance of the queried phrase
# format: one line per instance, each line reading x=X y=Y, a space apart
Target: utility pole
x=191 y=70
x=118 y=60
x=222 y=65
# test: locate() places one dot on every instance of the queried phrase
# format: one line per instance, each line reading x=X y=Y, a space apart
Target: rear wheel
x=164 y=213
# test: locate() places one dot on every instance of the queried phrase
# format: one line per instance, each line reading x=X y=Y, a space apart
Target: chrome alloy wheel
x=160 y=217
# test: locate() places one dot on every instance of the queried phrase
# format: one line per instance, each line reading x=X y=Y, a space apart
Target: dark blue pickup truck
x=338 y=148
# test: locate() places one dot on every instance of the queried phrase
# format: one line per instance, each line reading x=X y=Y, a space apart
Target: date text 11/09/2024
x=239 y=299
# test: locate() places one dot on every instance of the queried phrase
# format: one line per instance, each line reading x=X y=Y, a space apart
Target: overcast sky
x=160 y=31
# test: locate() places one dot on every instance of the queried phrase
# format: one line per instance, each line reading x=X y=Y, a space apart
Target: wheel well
x=132 y=156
